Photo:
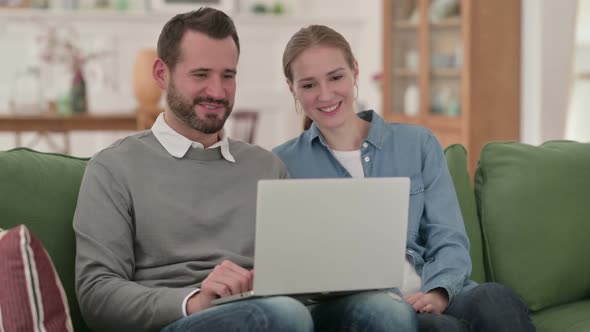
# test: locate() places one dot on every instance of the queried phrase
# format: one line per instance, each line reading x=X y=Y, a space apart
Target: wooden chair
x=244 y=124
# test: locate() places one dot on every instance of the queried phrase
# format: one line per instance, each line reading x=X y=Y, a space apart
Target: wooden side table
x=43 y=125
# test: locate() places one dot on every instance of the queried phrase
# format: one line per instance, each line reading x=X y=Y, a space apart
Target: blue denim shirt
x=437 y=243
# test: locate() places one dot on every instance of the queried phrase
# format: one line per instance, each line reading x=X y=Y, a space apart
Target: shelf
x=451 y=56
x=144 y=16
x=439 y=73
x=454 y=22
x=405 y=25
x=447 y=73
x=71 y=16
x=405 y=72
x=443 y=122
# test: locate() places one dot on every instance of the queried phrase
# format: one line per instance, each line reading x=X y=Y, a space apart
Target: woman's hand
x=435 y=302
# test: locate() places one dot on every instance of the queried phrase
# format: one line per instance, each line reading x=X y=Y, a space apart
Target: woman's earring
x=356 y=96
x=296 y=109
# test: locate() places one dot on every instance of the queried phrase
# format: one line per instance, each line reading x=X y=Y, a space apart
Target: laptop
x=319 y=238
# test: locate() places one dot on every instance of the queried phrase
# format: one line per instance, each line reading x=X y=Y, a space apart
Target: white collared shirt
x=178 y=145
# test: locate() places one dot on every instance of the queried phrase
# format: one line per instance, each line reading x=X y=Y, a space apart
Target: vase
x=78 y=97
x=412 y=101
x=147 y=93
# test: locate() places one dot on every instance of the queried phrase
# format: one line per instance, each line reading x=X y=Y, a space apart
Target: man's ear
x=161 y=73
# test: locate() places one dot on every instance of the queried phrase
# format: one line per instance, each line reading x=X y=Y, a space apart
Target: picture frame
x=179 y=6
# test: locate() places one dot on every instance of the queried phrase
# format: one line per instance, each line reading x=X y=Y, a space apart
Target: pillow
x=31 y=297
x=533 y=207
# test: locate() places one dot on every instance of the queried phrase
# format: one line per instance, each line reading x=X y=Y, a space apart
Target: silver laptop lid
x=328 y=235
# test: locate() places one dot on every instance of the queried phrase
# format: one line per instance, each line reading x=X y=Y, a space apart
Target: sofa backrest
x=533 y=208
x=457 y=161
x=41 y=191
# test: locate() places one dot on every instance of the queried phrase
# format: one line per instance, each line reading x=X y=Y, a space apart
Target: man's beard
x=185 y=111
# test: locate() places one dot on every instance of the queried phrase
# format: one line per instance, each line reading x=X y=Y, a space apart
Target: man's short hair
x=212 y=22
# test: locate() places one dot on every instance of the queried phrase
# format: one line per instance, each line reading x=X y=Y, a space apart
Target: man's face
x=202 y=86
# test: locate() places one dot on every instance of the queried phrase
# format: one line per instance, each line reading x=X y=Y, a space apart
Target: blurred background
x=76 y=74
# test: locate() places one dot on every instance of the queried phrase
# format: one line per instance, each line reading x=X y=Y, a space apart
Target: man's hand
x=435 y=302
x=226 y=279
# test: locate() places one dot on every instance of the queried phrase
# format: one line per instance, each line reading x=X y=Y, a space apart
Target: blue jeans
x=487 y=307
x=366 y=311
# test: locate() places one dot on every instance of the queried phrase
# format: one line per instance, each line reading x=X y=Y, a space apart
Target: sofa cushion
x=457 y=161
x=40 y=190
x=572 y=317
x=31 y=297
x=532 y=205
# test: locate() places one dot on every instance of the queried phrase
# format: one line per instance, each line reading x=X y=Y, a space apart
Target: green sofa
x=40 y=190
x=527 y=220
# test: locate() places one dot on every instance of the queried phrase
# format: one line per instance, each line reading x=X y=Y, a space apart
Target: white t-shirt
x=351 y=160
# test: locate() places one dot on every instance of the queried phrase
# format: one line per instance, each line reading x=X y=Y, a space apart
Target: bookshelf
x=453 y=67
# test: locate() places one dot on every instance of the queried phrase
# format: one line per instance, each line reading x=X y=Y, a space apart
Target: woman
x=322 y=75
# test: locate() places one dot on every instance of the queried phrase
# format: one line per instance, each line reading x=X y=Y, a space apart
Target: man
x=165 y=218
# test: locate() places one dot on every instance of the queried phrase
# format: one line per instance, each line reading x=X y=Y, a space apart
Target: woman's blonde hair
x=314 y=35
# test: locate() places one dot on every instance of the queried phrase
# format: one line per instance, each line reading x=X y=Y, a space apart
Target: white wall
x=578 y=119
x=261 y=85
x=370 y=54
x=546 y=58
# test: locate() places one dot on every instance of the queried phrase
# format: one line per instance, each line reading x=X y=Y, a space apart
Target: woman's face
x=323 y=82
